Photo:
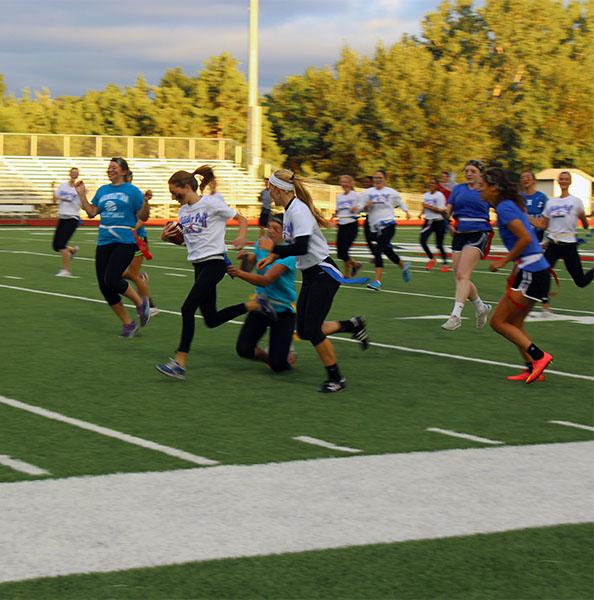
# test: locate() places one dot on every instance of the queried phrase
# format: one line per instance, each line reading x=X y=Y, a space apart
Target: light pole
x=254 y=125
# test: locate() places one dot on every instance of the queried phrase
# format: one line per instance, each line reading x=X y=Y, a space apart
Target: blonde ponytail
x=302 y=193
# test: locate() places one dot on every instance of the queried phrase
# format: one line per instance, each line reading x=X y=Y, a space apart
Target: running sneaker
x=444 y=269
x=329 y=387
x=482 y=315
x=406 y=272
x=429 y=266
x=356 y=269
x=360 y=334
x=128 y=331
x=63 y=273
x=266 y=308
x=547 y=314
x=538 y=366
x=144 y=312
x=172 y=369
x=452 y=323
x=154 y=311
x=523 y=376
x=375 y=285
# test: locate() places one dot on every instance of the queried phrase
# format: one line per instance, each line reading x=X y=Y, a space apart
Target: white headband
x=279 y=183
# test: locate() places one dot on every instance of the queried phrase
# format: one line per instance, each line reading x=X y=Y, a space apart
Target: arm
x=144 y=212
x=582 y=217
x=297 y=248
x=262 y=280
x=524 y=238
x=239 y=241
x=92 y=211
x=433 y=208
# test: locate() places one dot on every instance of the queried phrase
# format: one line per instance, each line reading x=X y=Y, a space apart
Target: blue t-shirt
x=469 y=209
x=281 y=293
x=535 y=203
x=532 y=258
x=118 y=205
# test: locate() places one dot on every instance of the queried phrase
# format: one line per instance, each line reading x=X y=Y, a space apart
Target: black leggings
x=383 y=246
x=344 y=239
x=110 y=263
x=64 y=231
x=436 y=226
x=571 y=258
x=314 y=302
x=203 y=296
x=281 y=335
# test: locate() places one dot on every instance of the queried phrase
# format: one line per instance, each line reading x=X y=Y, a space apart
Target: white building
x=581 y=185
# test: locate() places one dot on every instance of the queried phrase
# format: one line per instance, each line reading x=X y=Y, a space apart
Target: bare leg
x=326 y=353
x=121 y=313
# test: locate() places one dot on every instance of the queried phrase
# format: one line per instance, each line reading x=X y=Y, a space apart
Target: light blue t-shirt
x=118 y=205
x=281 y=293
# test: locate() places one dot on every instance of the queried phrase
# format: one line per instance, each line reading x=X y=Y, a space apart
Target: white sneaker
x=482 y=315
x=452 y=323
x=154 y=311
x=546 y=314
x=63 y=273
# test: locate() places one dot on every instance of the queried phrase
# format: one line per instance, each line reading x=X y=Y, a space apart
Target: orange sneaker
x=444 y=269
x=523 y=376
x=429 y=266
x=538 y=366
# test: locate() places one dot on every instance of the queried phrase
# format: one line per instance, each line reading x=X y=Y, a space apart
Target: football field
x=430 y=476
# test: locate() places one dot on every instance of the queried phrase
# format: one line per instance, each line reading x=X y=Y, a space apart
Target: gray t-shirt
x=265 y=199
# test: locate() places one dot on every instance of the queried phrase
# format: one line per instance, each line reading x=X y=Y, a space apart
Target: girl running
x=301 y=231
x=380 y=202
x=203 y=218
x=276 y=282
x=68 y=221
x=347 y=212
x=120 y=205
x=434 y=209
x=535 y=201
x=469 y=245
x=530 y=280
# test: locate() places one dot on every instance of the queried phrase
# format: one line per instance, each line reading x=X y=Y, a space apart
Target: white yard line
x=316 y=442
x=340 y=339
x=125 y=521
x=175 y=274
x=464 y=436
x=575 y=425
x=111 y=433
x=21 y=466
x=11 y=277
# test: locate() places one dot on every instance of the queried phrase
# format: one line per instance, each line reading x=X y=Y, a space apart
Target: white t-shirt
x=344 y=203
x=437 y=199
x=563 y=217
x=69 y=206
x=299 y=221
x=381 y=211
x=204 y=226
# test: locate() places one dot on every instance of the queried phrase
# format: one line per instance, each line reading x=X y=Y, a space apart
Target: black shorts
x=264 y=217
x=64 y=231
x=345 y=238
x=476 y=239
x=533 y=285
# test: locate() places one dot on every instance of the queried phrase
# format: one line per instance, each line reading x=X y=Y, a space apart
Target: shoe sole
x=488 y=312
x=170 y=375
x=451 y=328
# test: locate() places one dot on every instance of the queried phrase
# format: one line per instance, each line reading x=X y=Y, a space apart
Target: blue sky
x=71 y=46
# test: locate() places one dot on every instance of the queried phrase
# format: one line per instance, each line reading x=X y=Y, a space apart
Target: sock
x=346 y=326
x=478 y=303
x=534 y=352
x=458 y=308
x=334 y=373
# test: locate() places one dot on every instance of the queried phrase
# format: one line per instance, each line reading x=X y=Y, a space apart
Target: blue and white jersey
x=563 y=215
x=383 y=202
x=344 y=204
x=69 y=207
x=203 y=224
x=437 y=200
x=281 y=293
x=118 y=206
x=535 y=203
x=532 y=259
x=469 y=209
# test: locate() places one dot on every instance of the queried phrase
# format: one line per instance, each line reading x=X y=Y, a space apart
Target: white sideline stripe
x=112 y=433
x=348 y=287
x=316 y=442
x=11 y=277
x=333 y=337
x=576 y=425
x=21 y=466
x=135 y=520
x=464 y=436
x=175 y=274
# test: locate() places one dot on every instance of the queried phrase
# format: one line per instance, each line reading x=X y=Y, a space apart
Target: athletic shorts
x=344 y=239
x=476 y=239
x=533 y=285
x=144 y=238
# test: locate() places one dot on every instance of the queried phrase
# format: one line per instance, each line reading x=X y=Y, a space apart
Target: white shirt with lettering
x=383 y=203
x=203 y=224
x=69 y=206
x=299 y=221
x=562 y=214
x=344 y=204
x=438 y=200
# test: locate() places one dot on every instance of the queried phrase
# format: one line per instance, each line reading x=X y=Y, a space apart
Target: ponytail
x=301 y=193
x=183 y=178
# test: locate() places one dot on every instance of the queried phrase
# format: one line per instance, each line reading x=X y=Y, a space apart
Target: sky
x=72 y=46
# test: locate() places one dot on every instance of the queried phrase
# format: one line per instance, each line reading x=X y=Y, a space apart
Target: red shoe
x=444 y=269
x=429 y=266
x=523 y=376
x=538 y=366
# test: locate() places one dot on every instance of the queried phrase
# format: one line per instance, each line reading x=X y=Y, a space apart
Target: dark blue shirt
x=535 y=203
x=469 y=209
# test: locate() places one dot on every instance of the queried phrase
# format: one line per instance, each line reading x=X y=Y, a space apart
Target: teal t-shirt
x=281 y=293
x=118 y=205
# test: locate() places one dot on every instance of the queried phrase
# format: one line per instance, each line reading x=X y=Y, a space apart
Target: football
x=177 y=236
